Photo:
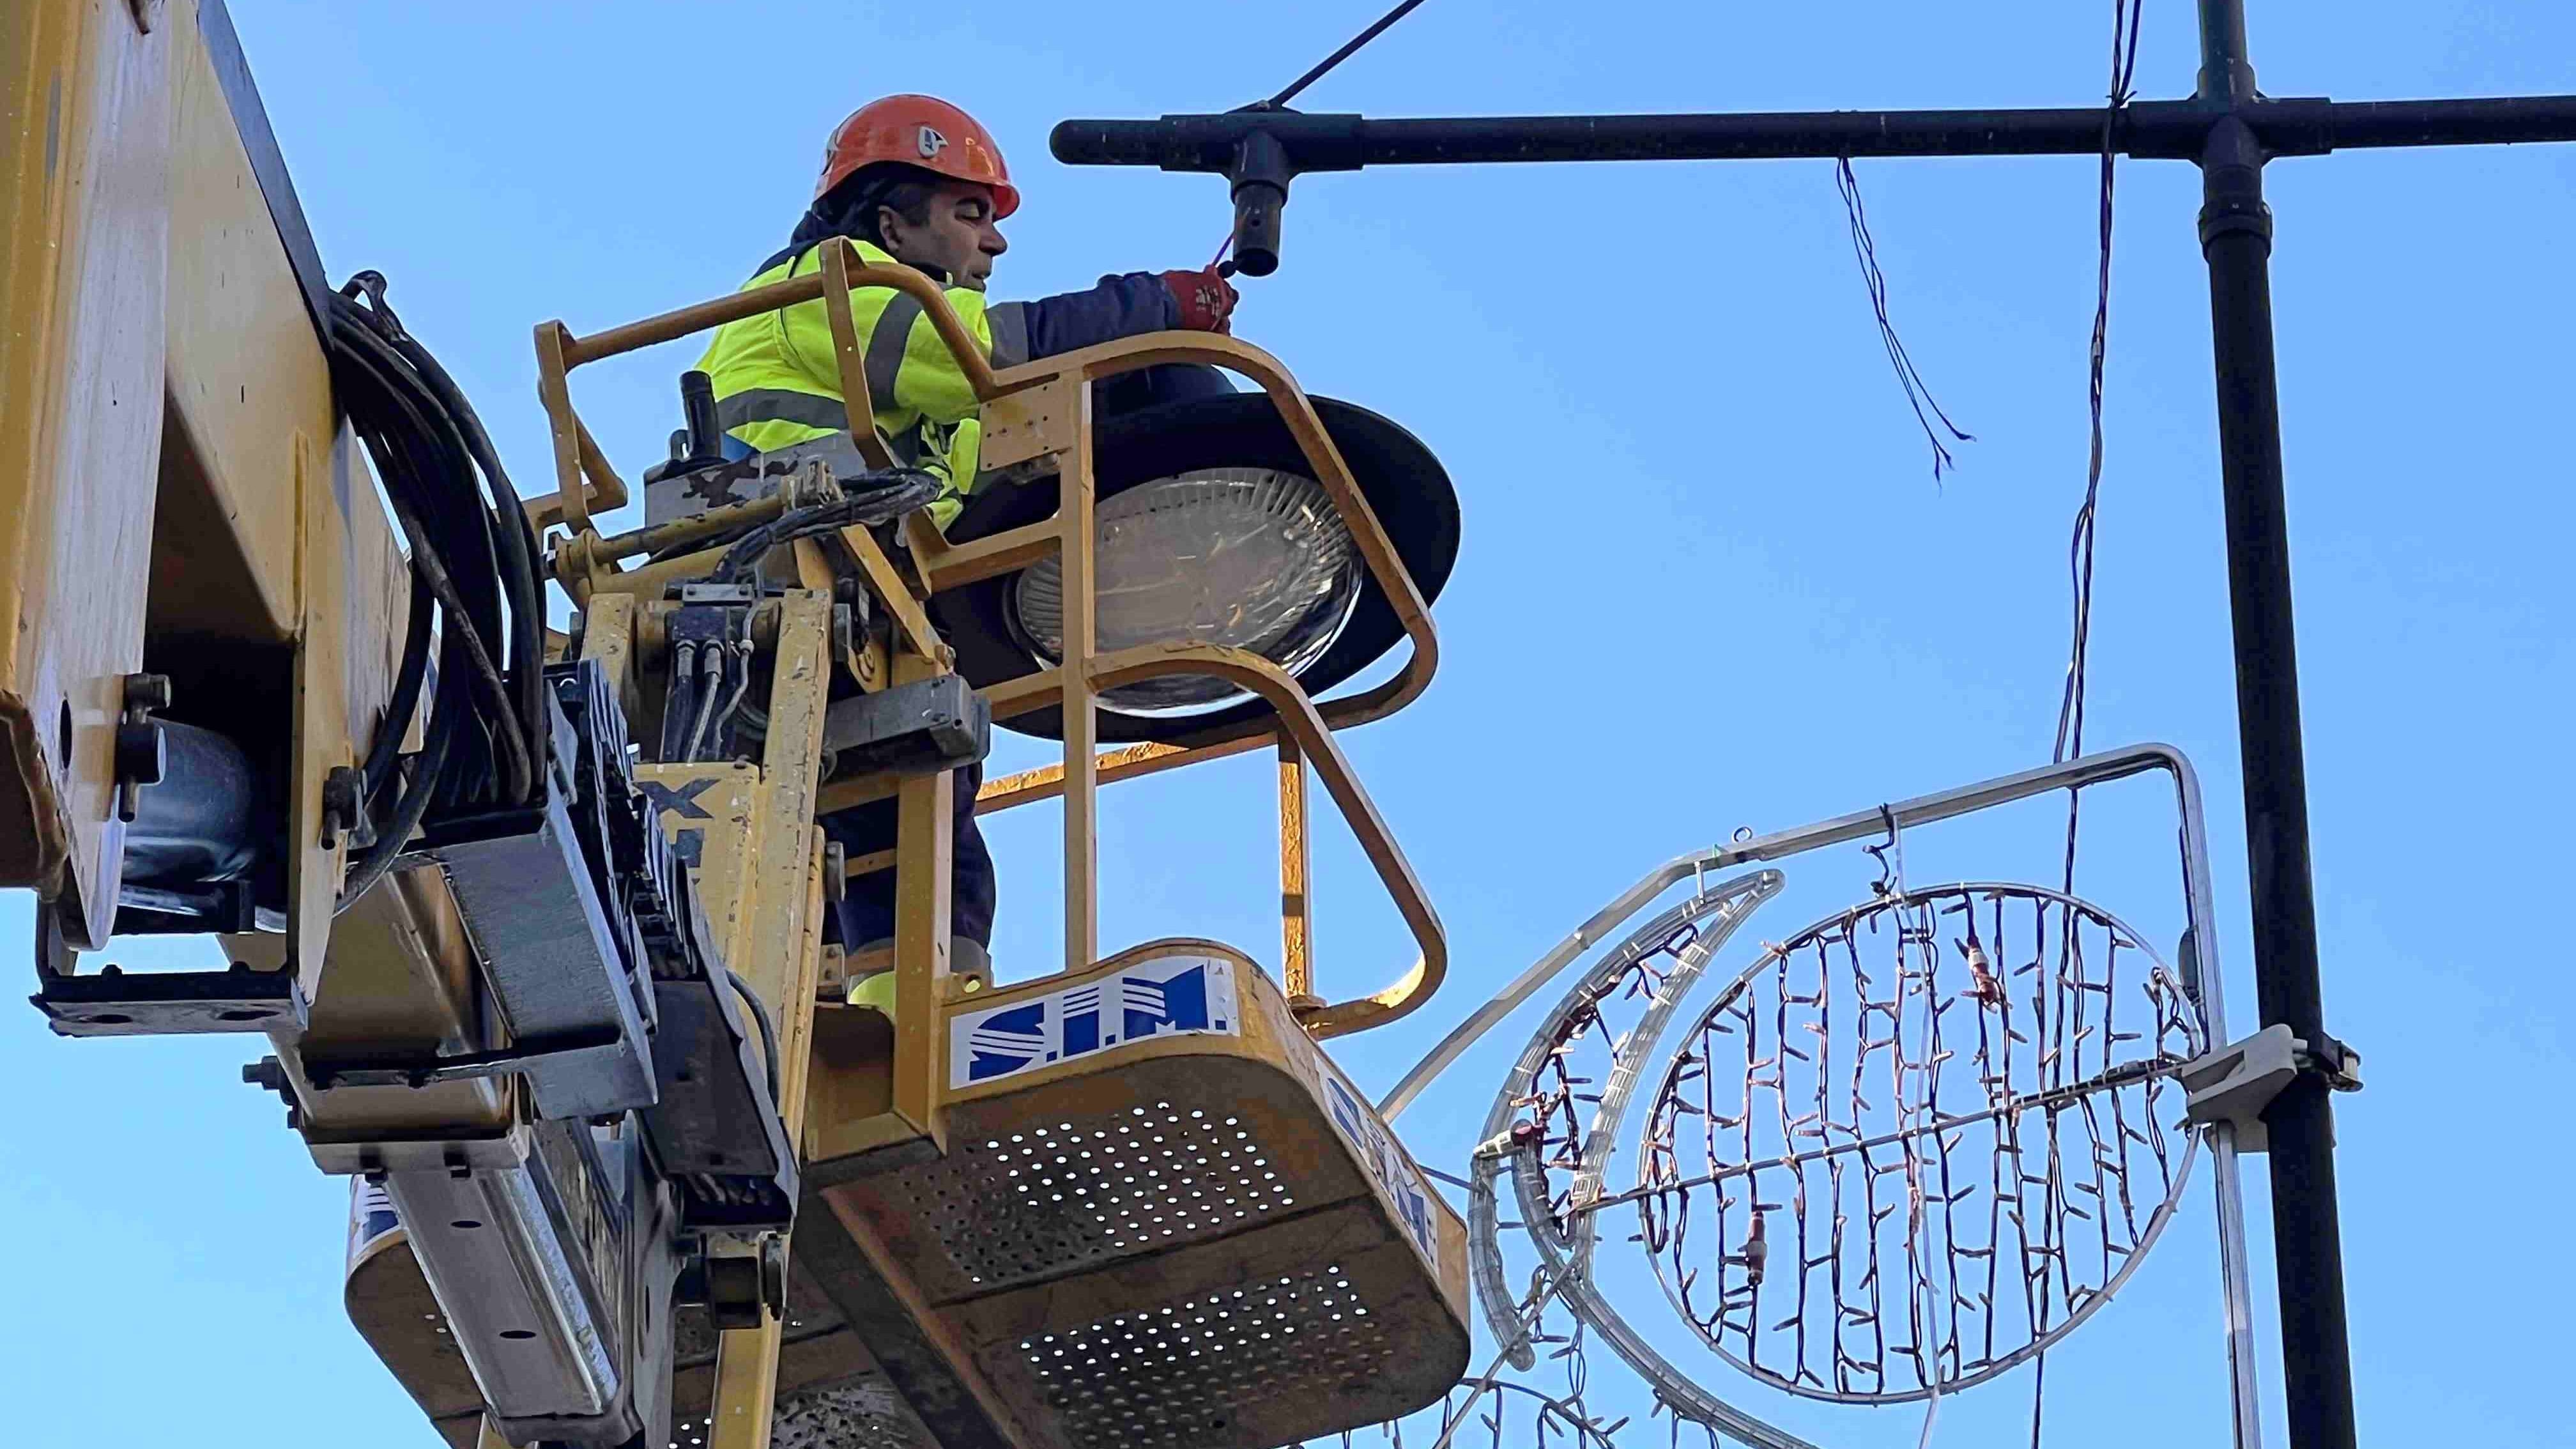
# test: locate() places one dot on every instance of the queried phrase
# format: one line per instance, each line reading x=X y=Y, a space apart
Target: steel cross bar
x=2158 y=130
x=2231 y=132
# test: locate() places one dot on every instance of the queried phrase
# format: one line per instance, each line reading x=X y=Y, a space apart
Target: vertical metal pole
x=2236 y=240
x=925 y=883
x=780 y=888
x=1081 y=722
x=1296 y=945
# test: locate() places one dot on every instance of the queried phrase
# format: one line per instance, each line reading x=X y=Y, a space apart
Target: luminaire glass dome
x=1209 y=528
x=1255 y=558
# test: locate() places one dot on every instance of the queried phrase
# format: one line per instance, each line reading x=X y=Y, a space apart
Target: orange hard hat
x=920 y=131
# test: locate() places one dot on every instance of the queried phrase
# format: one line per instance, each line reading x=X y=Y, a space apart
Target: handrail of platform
x=1299 y=726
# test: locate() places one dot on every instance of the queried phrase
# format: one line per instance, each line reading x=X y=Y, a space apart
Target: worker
x=914 y=181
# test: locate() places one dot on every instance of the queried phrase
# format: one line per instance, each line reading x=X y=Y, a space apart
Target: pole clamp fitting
x=2227 y=216
x=2234 y=1084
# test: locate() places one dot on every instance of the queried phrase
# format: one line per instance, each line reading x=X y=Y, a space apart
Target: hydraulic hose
x=476 y=596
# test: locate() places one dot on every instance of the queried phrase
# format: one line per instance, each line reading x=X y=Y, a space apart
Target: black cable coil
x=475 y=596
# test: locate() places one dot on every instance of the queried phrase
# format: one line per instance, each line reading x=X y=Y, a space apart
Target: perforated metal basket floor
x=1165 y=1219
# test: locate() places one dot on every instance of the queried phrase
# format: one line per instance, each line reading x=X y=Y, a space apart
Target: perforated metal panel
x=1177 y=1374
x=860 y=1412
x=1193 y=1238
x=856 y=1414
x=1075 y=1191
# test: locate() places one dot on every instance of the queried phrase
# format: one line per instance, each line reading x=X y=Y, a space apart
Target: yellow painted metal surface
x=1082 y=1199
x=1081 y=720
x=171 y=469
x=747 y=1360
x=400 y=980
x=1296 y=941
x=781 y=955
x=321 y=719
x=879 y=1113
x=608 y=635
x=84 y=141
x=246 y=375
x=707 y=813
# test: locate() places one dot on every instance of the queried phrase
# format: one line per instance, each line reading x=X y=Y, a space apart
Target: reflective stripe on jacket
x=776 y=382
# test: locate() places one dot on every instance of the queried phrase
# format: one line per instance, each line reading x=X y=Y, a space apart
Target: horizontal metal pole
x=2075 y=774
x=2072 y=774
x=2484 y=121
x=2172 y=130
x=2126 y=1074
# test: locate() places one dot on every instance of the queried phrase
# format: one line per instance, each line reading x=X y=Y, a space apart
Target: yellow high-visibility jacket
x=776 y=384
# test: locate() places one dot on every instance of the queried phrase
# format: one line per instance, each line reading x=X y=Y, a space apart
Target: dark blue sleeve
x=1121 y=306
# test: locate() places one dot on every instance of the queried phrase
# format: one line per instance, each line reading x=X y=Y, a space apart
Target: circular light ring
x=1266 y=565
x=1404 y=484
x=2059 y=1056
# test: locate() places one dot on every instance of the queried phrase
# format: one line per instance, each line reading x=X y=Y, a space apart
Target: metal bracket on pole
x=2235 y=1083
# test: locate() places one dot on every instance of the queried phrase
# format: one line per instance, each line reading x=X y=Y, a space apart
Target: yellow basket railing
x=1029 y=411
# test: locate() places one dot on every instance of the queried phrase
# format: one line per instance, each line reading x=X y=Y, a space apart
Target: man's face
x=959 y=237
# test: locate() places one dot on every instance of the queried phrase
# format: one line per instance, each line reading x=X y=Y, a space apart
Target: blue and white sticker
x=1166 y=996
x=371 y=1216
x=1385 y=1160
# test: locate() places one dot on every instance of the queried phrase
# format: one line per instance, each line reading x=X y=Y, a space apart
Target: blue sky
x=1707 y=577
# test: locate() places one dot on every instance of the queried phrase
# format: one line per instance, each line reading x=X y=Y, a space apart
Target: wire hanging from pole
x=2125 y=15
x=1918 y=393
x=2070 y=714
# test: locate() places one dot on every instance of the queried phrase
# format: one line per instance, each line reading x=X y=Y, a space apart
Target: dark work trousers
x=866 y=914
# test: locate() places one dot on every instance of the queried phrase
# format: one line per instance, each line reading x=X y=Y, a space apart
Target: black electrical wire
x=394 y=440
x=768 y=1033
x=2125 y=17
x=870 y=499
x=476 y=596
x=1349 y=49
x=455 y=561
x=711 y=675
x=404 y=703
x=518 y=769
x=1918 y=393
x=394 y=833
x=518 y=537
x=681 y=701
x=733 y=703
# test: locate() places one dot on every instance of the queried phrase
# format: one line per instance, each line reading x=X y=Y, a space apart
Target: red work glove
x=1206 y=300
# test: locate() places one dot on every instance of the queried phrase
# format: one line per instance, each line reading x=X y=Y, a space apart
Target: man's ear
x=889 y=226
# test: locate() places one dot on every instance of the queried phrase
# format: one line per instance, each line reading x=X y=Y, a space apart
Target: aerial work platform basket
x=1129 y=1203
x=1195 y=1234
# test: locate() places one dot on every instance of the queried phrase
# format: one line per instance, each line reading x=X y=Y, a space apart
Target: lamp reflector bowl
x=1254 y=558
x=1209 y=528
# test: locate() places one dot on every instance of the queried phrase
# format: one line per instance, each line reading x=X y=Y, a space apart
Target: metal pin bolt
x=343 y=806
x=142 y=751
